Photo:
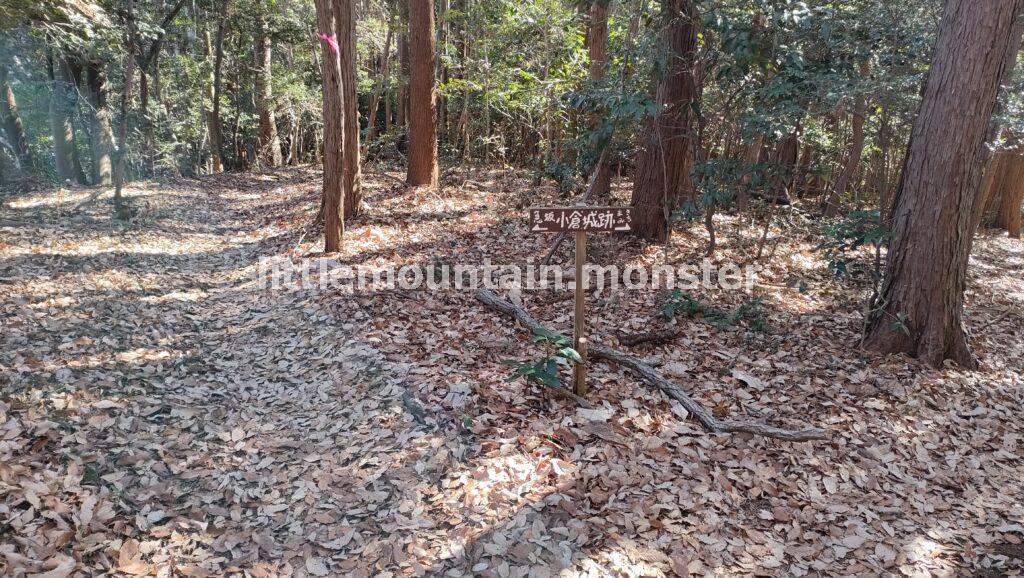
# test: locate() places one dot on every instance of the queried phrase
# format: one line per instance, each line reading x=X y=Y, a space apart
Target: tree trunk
x=1008 y=216
x=213 y=126
x=120 y=206
x=751 y=157
x=378 y=86
x=597 y=39
x=402 y=99
x=803 y=170
x=345 y=21
x=148 y=129
x=12 y=120
x=666 y=156
x=101 y=141
x=786 y=161
x=423 y=167
x=60 y=122
x=920 y=304
x=853 y=154
x=334 y=132
x=269 y=144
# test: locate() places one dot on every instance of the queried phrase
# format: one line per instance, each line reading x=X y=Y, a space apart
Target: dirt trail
x=162 y=414
x=204 y=422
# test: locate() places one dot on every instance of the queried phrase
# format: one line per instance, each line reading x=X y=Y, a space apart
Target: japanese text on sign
x=580 y=219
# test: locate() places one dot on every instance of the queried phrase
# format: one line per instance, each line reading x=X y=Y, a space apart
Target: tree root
x=653 y=377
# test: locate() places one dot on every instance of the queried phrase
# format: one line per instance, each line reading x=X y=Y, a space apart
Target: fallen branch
x=653 y=377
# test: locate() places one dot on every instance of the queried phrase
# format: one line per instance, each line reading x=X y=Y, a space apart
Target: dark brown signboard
x=580 y=219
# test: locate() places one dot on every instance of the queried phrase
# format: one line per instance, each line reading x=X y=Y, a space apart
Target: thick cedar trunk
x=101 y=141
x=423 y=168
x=12 y=120
x=269 y=143
x=60 y=122
x=666 y=156
x=597 y=40
x=920 y=305
x=345 y=22
x=334 y=132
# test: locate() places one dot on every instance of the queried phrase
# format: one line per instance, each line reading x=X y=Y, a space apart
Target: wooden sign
x=580 y=219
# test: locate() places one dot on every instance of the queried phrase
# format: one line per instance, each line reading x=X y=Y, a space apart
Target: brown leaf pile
x=162 y=415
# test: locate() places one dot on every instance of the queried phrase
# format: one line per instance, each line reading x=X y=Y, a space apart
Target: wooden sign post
x=580 y=221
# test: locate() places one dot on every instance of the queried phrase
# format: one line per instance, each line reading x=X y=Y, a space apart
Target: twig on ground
x=653 y=377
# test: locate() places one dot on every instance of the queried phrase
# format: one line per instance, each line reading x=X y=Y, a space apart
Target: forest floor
x=160 y=413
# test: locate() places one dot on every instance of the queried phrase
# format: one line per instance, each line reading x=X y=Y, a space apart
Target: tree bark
x=423 y=167
x=334 y=132
x=12 y=120
x=920 y=305
x=60 y=122
x=213 y=126
x=597 y=40
x=345 y=21
x=402 y=99
x=854 y=153
x=378 y=86
x=666 y=157
x=101 y=141
x=269 y=143
x=120 y=206
x=1008 y=216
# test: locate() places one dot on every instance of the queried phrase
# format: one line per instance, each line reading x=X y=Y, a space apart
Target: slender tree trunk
x=120 y=206
x=920 y=305
x=345 y=21
x=853 y=154
x=12 y=119
x=666 y=156
x=269 y=143
x=213 y=126
x=423 y=167
x=803 y=169
x=101 y=141
x=334 y=132
x=751 y=157
x=60 y=122
x=402 y=99
x=378 y=87
x=148 y=127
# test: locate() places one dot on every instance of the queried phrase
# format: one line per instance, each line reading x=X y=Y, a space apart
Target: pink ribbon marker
x=330 y=40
